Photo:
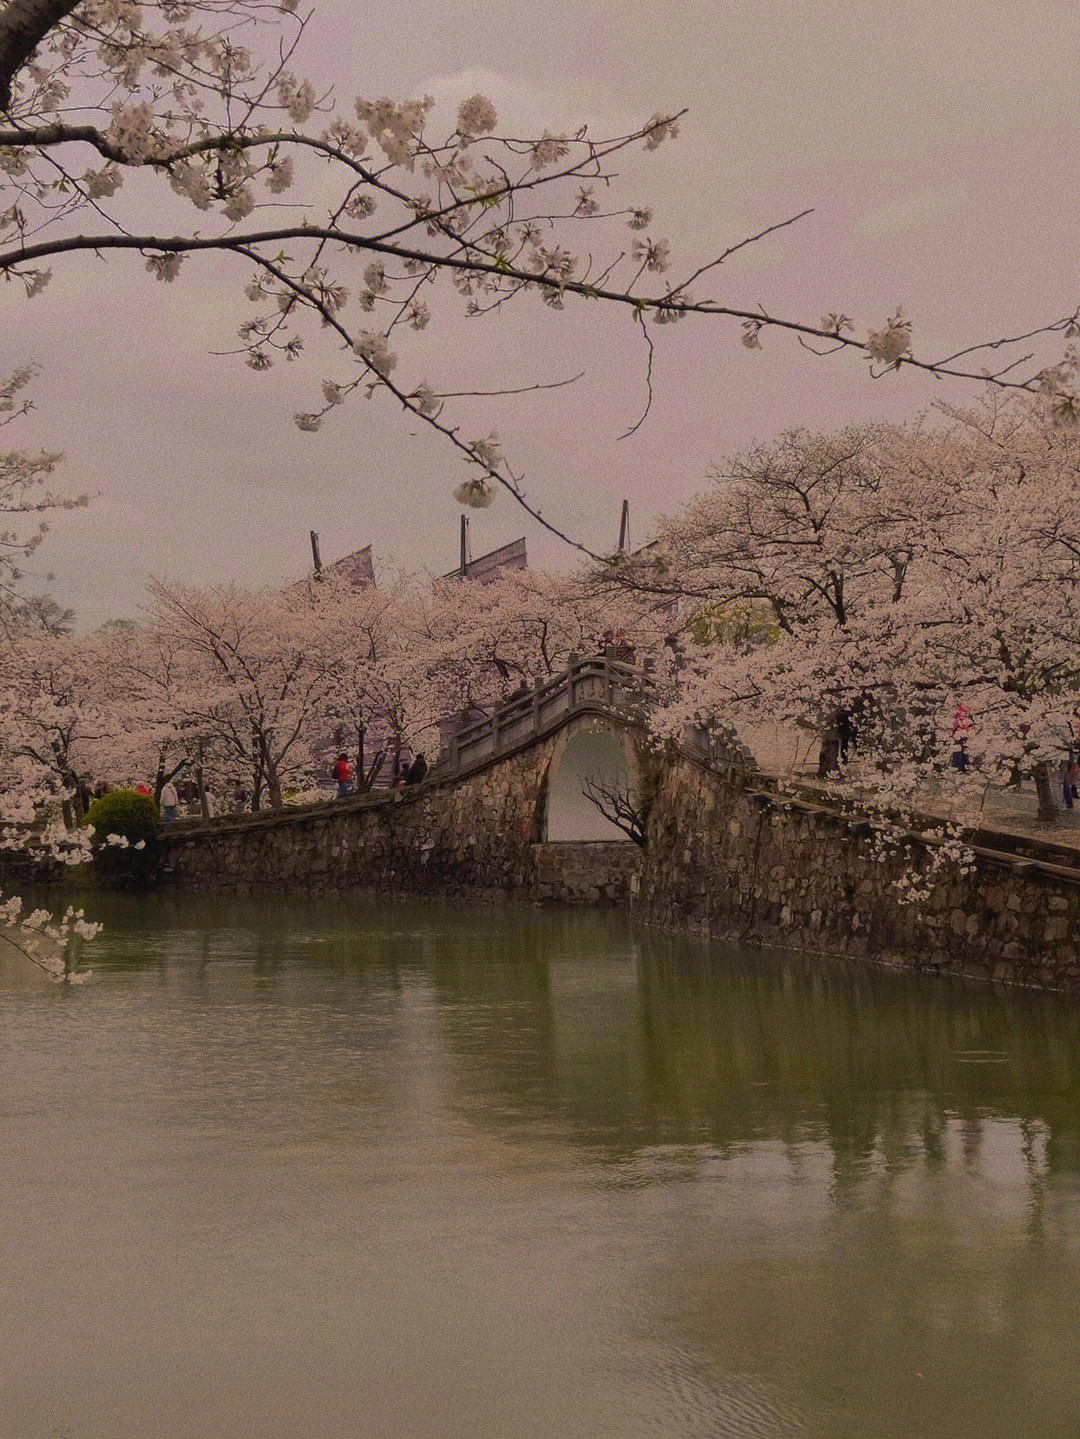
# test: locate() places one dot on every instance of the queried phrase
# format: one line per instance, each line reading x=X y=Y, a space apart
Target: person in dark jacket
x=416 y=771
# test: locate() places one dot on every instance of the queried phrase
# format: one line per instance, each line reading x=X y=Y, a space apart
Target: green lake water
x=404 y=1170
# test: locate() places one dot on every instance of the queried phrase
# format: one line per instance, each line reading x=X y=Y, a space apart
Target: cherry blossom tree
x=250 y=684
x=51 y=702
x=899 y=571
x=373 y=660
x=351 y=222
x=152 y=690
x=27 y=500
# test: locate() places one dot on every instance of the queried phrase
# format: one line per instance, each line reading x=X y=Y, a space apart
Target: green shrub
x=133 y=860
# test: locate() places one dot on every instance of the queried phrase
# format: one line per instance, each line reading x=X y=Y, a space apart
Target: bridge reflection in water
x=429 y=1170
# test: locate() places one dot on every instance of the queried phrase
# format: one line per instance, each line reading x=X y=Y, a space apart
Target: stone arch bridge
x=501 y=809
x=727 y=850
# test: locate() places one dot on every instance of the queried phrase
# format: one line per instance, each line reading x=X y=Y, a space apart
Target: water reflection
x=410 y=1169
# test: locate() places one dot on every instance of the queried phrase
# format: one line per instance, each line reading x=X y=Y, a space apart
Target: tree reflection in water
x=777 y=1195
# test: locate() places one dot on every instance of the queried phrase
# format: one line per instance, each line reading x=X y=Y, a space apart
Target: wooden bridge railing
x=585 y=686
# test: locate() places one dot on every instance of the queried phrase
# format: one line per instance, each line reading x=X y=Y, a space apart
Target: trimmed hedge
x=133 y=862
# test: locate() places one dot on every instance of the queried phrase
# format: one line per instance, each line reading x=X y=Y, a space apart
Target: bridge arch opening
x=597 y=755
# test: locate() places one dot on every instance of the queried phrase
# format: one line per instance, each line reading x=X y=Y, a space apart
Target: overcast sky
x=937 y=143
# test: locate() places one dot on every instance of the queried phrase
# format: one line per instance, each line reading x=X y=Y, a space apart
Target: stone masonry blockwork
x=722 y=857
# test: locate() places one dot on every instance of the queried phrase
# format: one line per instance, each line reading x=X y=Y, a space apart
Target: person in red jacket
x=342 y=773
x=963 y=722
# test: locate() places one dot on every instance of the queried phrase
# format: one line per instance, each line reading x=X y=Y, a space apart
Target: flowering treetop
x=890 y=573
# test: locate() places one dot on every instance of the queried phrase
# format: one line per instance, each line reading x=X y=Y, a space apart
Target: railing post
x=536 y=709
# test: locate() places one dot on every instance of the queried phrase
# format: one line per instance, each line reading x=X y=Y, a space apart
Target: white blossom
x=34 y=280
x=476 y=116
x=373 y=348
x=549 y=149
x=477 y=494
x=164 y=267
x=660 y=128
x=486 y=452
x=240 y=203
x=418 y=315
x=890 y=344
x=100 y=184
x=281 y=175
x=191 y=180
x=586 y=203
x=130 y=130
x=654 y=254
x=296 y=96
x=427 y=401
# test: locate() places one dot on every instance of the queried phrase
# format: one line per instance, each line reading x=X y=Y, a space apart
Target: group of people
x=406 y=773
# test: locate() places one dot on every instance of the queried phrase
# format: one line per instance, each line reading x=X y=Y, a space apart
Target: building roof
x=491 y=565
x=358 y=568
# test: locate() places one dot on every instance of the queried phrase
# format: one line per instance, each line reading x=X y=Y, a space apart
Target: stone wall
x=724 y=856
x=479 y=836
x=470 y=837
x=586 y=871
x=731 y=861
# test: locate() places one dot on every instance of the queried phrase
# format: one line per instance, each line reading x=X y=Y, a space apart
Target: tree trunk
x=360 y=758
x=273 y=785
x=200 y=783
x=829 y=756
x=373 y=770
x=1044 y=789
x=23 y=25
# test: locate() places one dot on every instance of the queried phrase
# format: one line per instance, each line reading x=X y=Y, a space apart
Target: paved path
x=785 y=750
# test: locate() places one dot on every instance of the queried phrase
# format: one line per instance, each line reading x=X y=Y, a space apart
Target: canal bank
x=727 y=853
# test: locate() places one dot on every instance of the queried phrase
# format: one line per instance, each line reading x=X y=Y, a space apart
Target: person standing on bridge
x=416 y=771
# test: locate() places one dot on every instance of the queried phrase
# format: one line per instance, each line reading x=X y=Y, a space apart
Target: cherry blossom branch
x=183 y=244
x=742 y=244
x=651 y=351
x=470 y=451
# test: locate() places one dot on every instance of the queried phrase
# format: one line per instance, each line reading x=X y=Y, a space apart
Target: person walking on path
x=169 y=801
x=342 y=774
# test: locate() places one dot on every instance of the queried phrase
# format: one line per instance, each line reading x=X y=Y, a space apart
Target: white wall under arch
x=595 y=752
